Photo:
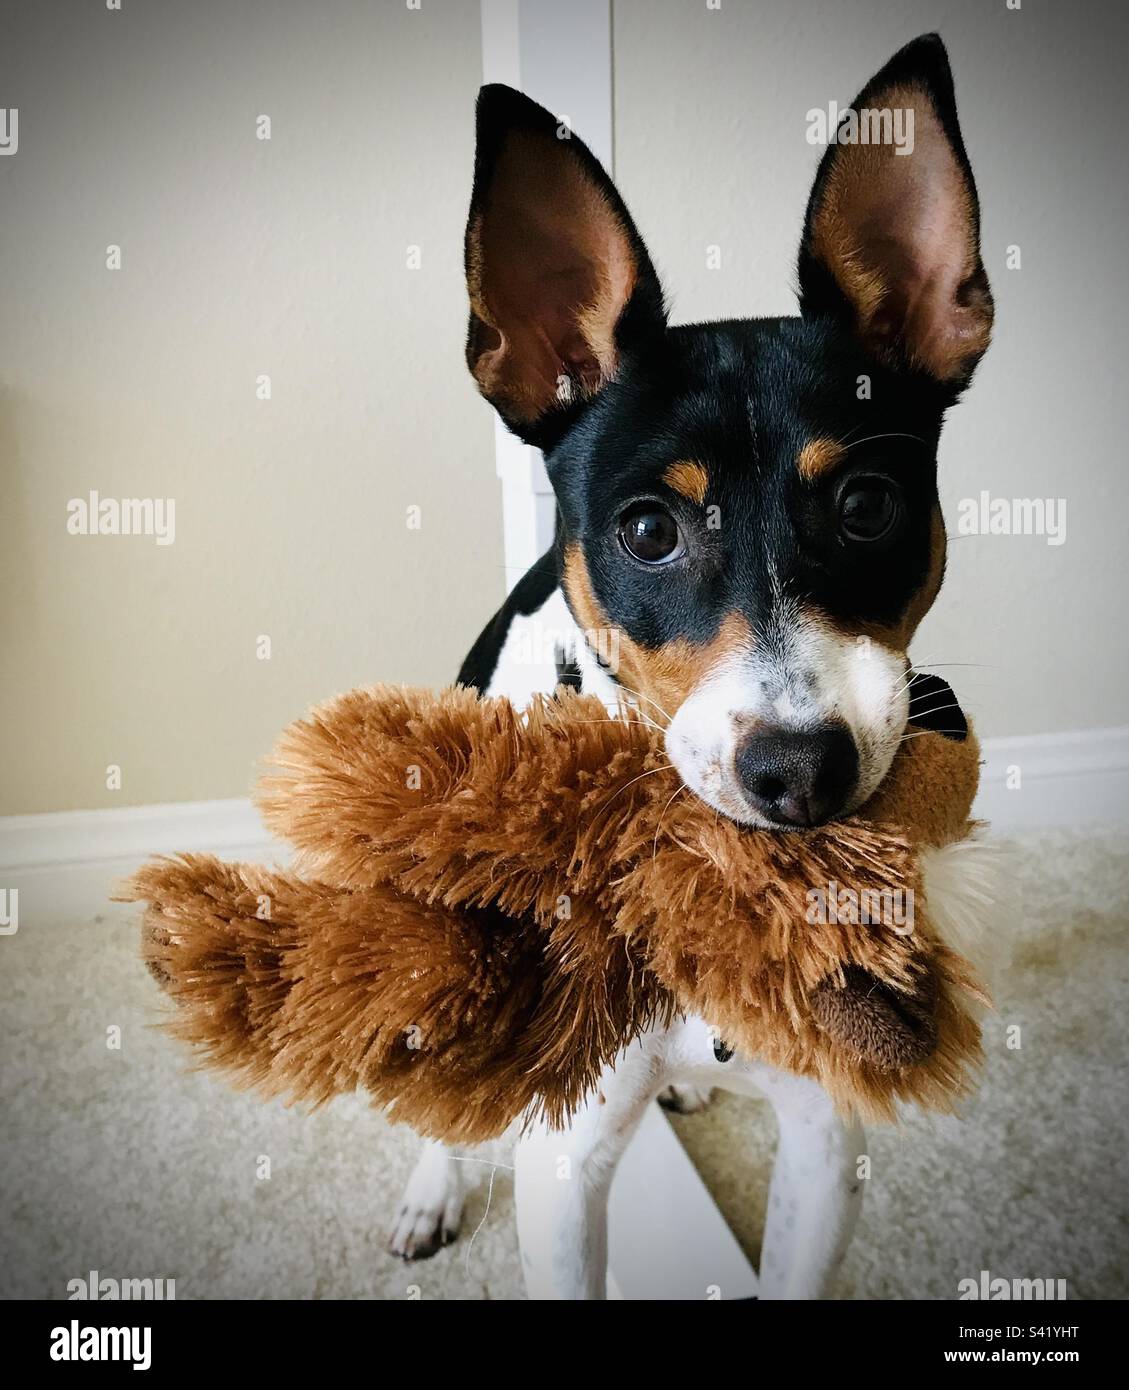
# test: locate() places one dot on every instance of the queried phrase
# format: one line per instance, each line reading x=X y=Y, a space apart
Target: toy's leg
x=432 y=1207
x=815 y=1193
x=561 y=1185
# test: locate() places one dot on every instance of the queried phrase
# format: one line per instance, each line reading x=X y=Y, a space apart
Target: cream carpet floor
x=124 y=1162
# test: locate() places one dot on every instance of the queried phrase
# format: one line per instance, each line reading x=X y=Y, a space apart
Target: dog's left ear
x=891 y=239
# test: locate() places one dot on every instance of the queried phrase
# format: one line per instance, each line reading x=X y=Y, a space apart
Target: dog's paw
x=684 y=1100
x=431 y=1211
x=418 y=1232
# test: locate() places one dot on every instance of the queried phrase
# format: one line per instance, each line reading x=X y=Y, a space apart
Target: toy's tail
x=459 y=1020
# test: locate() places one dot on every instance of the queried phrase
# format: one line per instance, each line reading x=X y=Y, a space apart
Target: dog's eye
x=651 y=535
x=869 y=508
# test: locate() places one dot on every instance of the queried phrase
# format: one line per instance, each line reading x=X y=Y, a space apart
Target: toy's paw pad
x=685 y=1100
x=890 y=1028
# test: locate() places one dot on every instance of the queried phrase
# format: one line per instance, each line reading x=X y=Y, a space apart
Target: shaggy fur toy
x=487 y=906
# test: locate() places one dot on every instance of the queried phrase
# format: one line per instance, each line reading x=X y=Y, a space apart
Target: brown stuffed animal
x=488 y=905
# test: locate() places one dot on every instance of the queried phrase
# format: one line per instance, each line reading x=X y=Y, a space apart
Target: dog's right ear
x=559 y=279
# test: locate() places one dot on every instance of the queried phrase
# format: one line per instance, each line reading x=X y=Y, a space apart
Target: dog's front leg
x=562 y=1180
x=815 y=1193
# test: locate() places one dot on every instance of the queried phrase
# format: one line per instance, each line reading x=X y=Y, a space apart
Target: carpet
x=121 y=1160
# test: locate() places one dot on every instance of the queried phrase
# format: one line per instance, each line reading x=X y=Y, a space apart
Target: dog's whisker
x=989 y=665
x=665 y=809
x=917 y=733
x=612 y=719
x=640 y=696
x=936 y=709
x=635 y=712
x=906 y=685
x=666 y=767
x=485 y=1214
x=923 y=667
x=843 y=442
x=894 y=434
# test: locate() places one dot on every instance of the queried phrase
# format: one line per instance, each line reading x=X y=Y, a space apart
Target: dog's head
x=748 y=508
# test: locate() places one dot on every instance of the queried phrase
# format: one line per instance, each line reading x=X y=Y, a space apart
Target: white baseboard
x=1040 y=781
x=67 y=839
x=1065 y=779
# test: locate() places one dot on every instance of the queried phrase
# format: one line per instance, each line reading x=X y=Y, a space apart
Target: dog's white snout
x=794 y=735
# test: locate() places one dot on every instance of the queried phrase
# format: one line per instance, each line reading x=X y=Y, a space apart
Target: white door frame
x=666 y=1237
x=560 y=54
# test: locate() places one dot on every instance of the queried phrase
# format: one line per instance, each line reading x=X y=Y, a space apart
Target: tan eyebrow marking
x=819 y=456
x=688 y=478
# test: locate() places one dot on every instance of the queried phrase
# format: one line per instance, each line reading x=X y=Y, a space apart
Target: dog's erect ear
x=558 y=277
x=892 y=234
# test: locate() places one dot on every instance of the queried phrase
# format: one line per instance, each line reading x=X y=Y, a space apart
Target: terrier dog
x=748 y=536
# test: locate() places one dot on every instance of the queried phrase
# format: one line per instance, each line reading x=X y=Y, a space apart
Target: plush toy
x=487 y=906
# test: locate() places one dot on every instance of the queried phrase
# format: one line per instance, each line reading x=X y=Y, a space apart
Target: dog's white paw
x=684 y=1100
x=431 y=1211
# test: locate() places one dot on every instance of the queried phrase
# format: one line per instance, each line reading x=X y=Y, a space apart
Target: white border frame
x=667 y=1238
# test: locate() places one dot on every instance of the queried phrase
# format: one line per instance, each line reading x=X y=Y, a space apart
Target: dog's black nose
x=798 y=778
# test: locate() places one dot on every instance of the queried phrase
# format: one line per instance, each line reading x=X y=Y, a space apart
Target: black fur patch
x=932 y=705
x=529 y=594
x=743 y=398
x=568 y=672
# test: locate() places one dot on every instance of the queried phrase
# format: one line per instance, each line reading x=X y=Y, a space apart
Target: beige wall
x=710 y=148
x=243 y=257
x=239 y=257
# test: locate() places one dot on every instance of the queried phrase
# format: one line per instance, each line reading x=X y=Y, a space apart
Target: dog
x=748 y=535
